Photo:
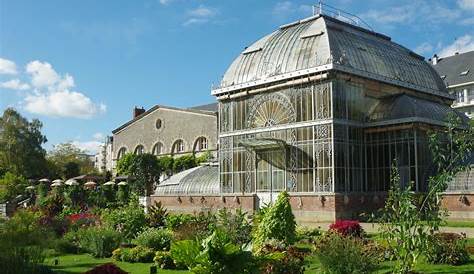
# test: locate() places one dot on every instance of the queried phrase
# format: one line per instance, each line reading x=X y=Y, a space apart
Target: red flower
x=347 y=228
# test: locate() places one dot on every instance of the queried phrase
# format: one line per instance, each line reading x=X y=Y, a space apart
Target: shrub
x=184 y=253
x=157 y=239
x=164 y=260
x=235 y=224
x=98 y=241
x=23 y=243
x=108 y=268
x=307 y=234
x=277 y=223
x=448 y=248
x=68 y=244
x=82 y=219
x=347 y=228
x=128 y=220
x=290 y=261
x=138 y=254
x=215 y=254
x=174 y=221
x=340 y=255
x=157 y=215
x=195 y=227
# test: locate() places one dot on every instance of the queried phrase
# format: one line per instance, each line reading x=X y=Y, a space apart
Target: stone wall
x=310 y=209
x=460 y=205
x=175 y=124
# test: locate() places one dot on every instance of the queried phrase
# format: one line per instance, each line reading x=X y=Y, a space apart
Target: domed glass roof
x=322 y=43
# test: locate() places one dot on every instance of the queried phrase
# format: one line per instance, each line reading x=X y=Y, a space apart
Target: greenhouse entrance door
x=270 y=175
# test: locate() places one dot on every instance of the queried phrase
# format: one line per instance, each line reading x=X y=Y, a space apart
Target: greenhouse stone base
x=311 y=208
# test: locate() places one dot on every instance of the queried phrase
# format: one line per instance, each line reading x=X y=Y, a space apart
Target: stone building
x=164 y=130
x=457 y=72
x=320 y=108
x=104 y=157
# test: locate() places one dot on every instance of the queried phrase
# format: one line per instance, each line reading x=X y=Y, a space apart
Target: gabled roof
x=156 y=107
x=451 y=68
x=208 y=107
x=322 y=43
x=403 y=107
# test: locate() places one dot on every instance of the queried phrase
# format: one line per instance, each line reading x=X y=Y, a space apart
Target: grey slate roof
x=404 y=106
x=208 y=107
x=322 y=40
x=152 y=109
x=450 y=68
x=198 y=180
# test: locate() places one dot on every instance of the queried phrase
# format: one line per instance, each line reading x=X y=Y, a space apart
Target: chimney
x=435 y=59
x=138 y=111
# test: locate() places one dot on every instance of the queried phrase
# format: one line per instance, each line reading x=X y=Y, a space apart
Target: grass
x=423 y=267
x=79 y=263
x=459 y=224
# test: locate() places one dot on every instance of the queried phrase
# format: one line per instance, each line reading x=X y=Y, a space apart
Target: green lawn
x=425 y=268
x=83 y=262
x=460 y=224
x=69 y=264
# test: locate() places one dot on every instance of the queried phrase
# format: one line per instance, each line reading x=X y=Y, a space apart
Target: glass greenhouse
x=323 y=106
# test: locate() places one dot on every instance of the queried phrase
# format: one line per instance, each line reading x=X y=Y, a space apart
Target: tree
x=21 y=141
x=11 y=185
x=408 y=226
x=145 y=170
x=70 y=161
x=278 y=222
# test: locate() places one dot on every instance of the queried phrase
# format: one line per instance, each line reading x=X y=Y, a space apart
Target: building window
x=121 y=153
x=460 y=96
x=158 y=124
x=200 y=144
x=139 y=150
x=157 y=149
x=178 y=146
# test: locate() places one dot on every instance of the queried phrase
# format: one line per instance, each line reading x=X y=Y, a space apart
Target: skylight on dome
x=464 y=73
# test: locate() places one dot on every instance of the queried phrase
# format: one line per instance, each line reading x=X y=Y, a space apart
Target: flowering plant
x=347 y=228
x=82 y=219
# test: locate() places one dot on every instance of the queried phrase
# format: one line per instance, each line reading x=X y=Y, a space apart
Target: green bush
x=98 y=241
x=156 y=215
x=154 y=238
x=184 y=253
x=128 y=220
x=215 y=254
x=282 y=261
x=68 y=244
x=448 y=248
x=173 y=221
x=184 y=162
x=23 y=243
x=340 y=255
x=164 y=260
x=307 y=234
x=235 y=224
x=278 y=222
x=138 y=254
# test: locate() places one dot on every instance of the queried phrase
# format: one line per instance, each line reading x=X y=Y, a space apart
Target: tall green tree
x=21 y=141
x=70 y=161
x=145 y=170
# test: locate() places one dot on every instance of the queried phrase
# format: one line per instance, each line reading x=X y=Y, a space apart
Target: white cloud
x=7 y=67
x=53 y=95
x=43 y=75
x=424 y=48
x=466 y=4
x=421 y=11
x=63 y=104
x=462 y=44
x=199 y=15
x=467 y=21
x=165 y=2
x=15 y=84
x=285 y=9
x=91 y=147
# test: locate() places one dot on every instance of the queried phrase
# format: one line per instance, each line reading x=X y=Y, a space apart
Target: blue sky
x=81 y=66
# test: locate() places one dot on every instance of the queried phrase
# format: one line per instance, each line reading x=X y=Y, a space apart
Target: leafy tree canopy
x=144 y=168
x=21 y=141
x=67 y=161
